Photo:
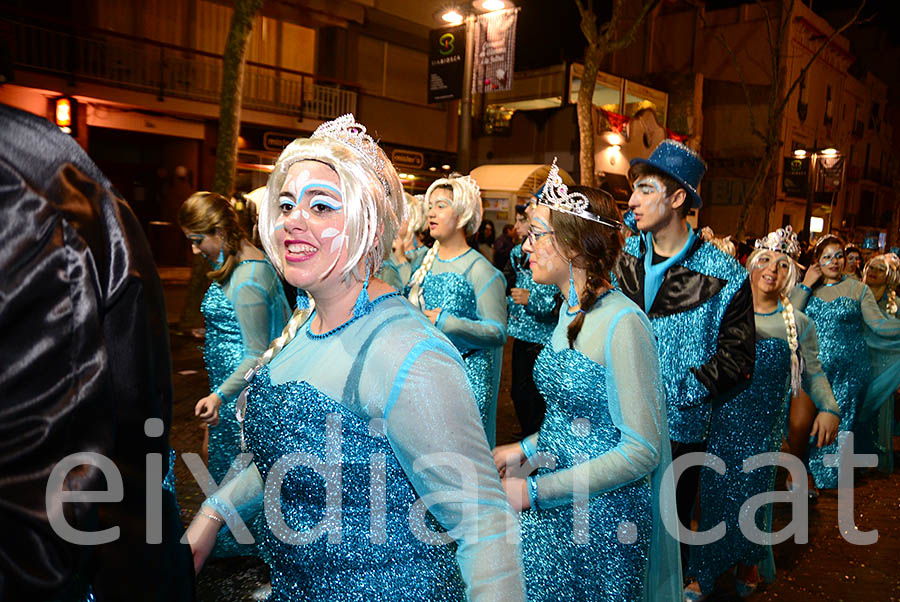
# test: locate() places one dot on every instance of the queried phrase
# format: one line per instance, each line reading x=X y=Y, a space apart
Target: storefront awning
x=524 y=180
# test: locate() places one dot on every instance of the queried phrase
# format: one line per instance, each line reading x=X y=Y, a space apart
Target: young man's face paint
x=310 y=231
x=649 y=203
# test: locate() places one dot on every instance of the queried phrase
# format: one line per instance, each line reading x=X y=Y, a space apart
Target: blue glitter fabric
x=533 y=322
x=749 y=424
x=605 y=429
x=471 y=294
x=242 y=316
x=366 y=403
x=689 y=339
x=845 y=313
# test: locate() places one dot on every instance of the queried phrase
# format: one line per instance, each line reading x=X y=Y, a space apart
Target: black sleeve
x=509 y=272
x=730 y=369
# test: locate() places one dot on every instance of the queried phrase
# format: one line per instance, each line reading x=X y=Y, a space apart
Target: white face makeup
x=309 y=232
x=442 y=221
x=832 y=261
x=770 y=271
x=649 y=203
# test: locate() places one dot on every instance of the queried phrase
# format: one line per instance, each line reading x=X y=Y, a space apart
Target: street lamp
x=829 y=158
x=456 y=16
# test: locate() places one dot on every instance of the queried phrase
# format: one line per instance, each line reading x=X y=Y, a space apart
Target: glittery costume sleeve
x=242 y=496
x=815 y=382
x=262 y=311
x=541 y=300
x=800 y=296
x=490 y=297
x=731 y=365
x=628 y=350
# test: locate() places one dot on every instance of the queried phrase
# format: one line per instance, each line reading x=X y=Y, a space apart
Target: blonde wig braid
x=415 y=289
x=794 y=343
x=298 y=319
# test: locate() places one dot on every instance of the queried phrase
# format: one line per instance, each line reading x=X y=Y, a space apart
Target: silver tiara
x=346 y=130
x=783 y=240
x=557 y=197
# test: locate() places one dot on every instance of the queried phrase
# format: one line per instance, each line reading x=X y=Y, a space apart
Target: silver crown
x=346 y=130
x=557 y=197
x=783 y=240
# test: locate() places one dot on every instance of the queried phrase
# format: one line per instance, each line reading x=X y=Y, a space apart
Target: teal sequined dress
x=749 y=424
x=471 y=294
x=356 y=435
x=844 y=314
x=605 y=429
x=533 y=322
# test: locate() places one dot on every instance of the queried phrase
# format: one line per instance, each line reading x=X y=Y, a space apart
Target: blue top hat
x=679 y=162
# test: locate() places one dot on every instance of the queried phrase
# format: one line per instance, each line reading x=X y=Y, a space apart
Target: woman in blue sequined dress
x=753 y=422
x=844 y=312
x=244 y=309
x=367 y=444
x=592 y=517
x=461 y=292
x=397 y=267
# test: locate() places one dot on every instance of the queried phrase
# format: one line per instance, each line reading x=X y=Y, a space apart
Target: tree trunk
x=232 y=89
x=226 y=147
x=585 y=108
x=756 y=192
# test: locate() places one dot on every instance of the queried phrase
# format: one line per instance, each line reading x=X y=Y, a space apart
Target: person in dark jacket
x=86 y=369
x=698 y=300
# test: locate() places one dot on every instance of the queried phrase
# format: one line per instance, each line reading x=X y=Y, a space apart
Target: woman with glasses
x=786 y=357
x=369 y=457
x=592 y=515
x=844 y=311
x=245 y=308
x=461 y=292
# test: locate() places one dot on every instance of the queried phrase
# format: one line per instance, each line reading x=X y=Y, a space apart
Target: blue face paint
x=322 y=200
x=287 y=203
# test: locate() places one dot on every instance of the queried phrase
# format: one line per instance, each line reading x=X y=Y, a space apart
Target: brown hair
x=595 y=247
x=825 y=241
x=211 y=213
x=640 y=170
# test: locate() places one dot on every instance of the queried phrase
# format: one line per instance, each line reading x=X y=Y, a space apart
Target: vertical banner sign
x=446 y=62
x=495 y=51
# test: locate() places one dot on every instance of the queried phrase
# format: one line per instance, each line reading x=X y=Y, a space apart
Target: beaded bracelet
x=212 y=517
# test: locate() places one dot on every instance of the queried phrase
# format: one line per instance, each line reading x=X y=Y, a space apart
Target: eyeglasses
x=536 y=235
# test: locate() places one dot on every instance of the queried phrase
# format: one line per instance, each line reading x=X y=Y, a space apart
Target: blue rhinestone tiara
x=346 y=130
x=557 y=197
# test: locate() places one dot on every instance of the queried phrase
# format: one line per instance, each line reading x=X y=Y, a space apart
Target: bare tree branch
x=628 y=38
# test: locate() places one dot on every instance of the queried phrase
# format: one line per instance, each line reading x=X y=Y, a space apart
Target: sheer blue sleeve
x=242 y=496
x=875 y=318
x=489 y=330
x=635 y=399
x=814 y=381
x=800 y=296
x=435 y=431
x=262 y=311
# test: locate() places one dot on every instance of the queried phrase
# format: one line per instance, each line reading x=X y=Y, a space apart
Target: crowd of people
x=354 y=437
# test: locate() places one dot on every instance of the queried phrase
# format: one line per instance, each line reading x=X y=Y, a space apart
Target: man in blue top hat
x=698 y=300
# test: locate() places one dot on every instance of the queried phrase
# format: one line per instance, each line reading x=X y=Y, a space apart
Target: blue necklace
x=356 y=316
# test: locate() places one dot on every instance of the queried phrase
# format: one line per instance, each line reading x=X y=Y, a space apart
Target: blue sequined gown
x=533 y=322
x=472 y=295
x=382 y=409
x=605 y=427
x=877 y=412
x=243 y=315
x=749 y=424
x=843 y=314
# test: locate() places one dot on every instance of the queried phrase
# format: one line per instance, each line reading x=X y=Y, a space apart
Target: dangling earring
x=572 y=298
x=363 y=305
x=220 y=260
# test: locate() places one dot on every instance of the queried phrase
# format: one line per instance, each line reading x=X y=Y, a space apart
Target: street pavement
x=827 y=568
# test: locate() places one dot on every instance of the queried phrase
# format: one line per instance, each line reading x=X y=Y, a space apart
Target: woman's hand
x=207 y=409
x=517 y=493
x=201 y=536
x=509 y=455
x=812 y=275
x=432 y=314
x=520 y=295
x=825 y=429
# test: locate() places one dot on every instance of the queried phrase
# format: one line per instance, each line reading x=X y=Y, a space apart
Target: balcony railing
x=168 y=70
